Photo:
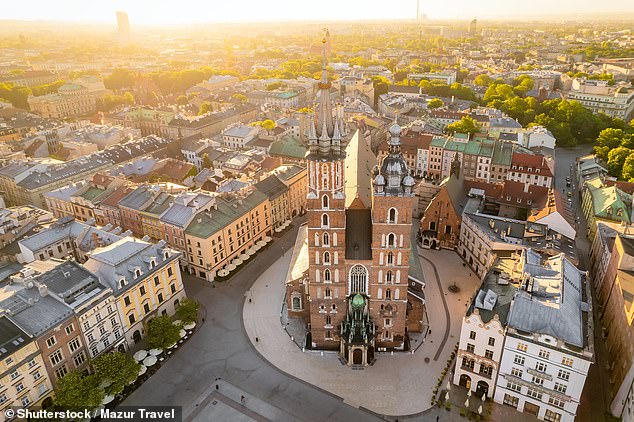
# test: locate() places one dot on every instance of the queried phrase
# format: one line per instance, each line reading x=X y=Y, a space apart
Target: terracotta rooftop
x=531 y=164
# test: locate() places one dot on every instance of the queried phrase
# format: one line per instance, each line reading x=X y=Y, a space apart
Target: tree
x=274 y=86
x=206 y=161
x=435 y=103
x=465 y=125
x=628 y=168
x=610 y=138
x=205 y=107
x=182 y=100
x=161 y=333
x=44 y=89
x=188 y=311
x=16 y=95
x=76 y=390
x=118 y=368
x=268 y=125
x=120 y=78
x=482 y=80
x=616 y=160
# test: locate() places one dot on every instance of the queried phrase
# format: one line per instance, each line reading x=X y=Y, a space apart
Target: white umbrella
x=484 y=397
x=278 y=229
x=140 y=355
x=171 y=346
x=182 y=333
x=251 y=251
x=261 y=243
x=267 y=239
x=480 y=409
x=149 y=361
x=156 y=352
x=107 y=399
x=237 y=261
x=244 y=256
x=143 y=370
x=469 y=393
x=447 y=396
x=223 y=273
x=189 y=326
x=448 y=386
x=466 y=403
x=231 y=267
x=177 y=322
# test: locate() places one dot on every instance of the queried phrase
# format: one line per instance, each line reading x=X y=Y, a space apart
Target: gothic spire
x=323 y=111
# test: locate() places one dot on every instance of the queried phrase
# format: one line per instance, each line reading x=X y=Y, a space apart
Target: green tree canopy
x=628 y=168
x=76 y=390
x=268 y=124
x=118 y=368
x=435 y=103
x=182 y=100
x=120 y=78
x=482 y=80
x=188 y=311
x=44 y=89
x=207 y=161
x=616 y=160
x=205 y=107
x=465 y=125
x=161 y=333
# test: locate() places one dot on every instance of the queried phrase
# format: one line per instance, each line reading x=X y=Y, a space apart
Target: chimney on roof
x=43 y=289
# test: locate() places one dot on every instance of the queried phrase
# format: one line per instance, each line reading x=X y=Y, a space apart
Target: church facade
x=350 y=274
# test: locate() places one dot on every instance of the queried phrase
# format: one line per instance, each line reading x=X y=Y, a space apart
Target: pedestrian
x=437 y=418
x=217 y=388
x=203 y=320
x=249 y=300
x=242 y=400
x=257 y=339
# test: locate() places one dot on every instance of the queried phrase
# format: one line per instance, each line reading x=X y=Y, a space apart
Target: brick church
x=355 y=277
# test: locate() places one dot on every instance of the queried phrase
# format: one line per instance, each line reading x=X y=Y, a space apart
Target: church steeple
x=322 y=140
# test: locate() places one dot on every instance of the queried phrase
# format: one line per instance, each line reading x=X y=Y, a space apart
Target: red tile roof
x=113 y=199
x=530 y=164
x=519 y=194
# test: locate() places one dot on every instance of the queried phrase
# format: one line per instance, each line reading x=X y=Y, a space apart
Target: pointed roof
x=323 y=111
x=360 y=160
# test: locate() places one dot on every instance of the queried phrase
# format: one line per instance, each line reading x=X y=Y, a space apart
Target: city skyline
x=144 y=12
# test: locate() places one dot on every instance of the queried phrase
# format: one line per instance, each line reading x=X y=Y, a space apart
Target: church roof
x=360 y=161
x=359 y=234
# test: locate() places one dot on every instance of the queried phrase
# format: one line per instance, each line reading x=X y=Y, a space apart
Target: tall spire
x=323 y=112
x=324 y=62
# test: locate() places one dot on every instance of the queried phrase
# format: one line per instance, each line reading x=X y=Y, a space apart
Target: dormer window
x=166 y=255
x=137 y=273
x=122 y=283
x=619 y=212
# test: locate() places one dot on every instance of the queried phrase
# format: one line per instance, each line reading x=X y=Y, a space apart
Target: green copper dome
x=358 y=301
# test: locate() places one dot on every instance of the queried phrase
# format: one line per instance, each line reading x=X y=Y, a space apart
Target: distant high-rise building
x=123 y=24
x=473 y=27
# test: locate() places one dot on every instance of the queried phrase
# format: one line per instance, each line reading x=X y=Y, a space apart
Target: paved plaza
x=397 y=384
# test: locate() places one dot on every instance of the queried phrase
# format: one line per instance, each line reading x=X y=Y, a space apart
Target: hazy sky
x=177 y=12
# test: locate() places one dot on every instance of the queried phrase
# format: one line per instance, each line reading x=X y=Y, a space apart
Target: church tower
x=326 y=218
x=393 y=203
